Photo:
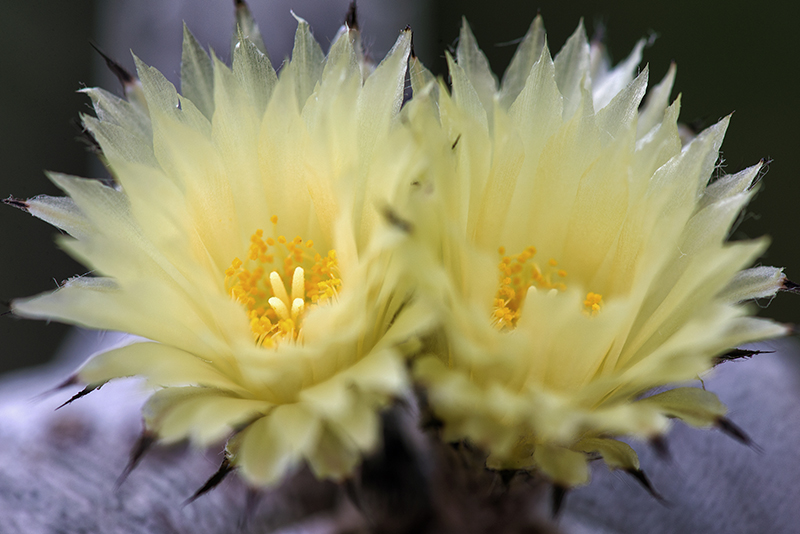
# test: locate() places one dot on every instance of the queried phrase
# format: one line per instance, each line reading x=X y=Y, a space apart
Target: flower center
x=259 y=283
x=520 y=274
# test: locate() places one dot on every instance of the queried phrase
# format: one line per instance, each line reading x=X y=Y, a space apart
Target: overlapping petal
x=615 y=273
x=545 y=249
x=243 y=156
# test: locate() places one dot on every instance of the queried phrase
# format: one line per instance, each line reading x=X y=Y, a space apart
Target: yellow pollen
x=519 y=275
x=593 y=302
x=274 y=308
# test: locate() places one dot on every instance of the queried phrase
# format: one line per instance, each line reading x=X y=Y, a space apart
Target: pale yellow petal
x=525 y=56
x=197 y=74
x=476 y=68
x=571 y=64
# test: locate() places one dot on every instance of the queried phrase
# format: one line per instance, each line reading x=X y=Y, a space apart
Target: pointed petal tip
x=125 y=78
x=762 y=168
x=224 y=470
x=787 y=286
x=644 y=480
x=351 y=18
x=146 y=440
x=70 y=381
x=17 y=203
x=558 y=495
x=599 y=34
x=740 y=354
x=659 y=445
x=734 y=431
x=82 y=393
x=300 y=20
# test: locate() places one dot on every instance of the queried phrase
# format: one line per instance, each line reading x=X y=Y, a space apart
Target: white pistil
x=279 y=291
x=279 y=307
x=298 y=285
x=297 y=308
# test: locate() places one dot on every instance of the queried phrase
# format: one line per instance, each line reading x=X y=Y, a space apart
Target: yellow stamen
x=518 y=276
x=593 y=302
x=258 y=284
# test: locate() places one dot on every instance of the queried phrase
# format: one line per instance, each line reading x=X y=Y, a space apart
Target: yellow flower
x=242 y=240
x=577 y=254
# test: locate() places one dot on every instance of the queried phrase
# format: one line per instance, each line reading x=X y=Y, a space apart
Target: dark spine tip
x=88 y=139
x=125 y=78
x=17 y=203
x=241 y=8
x=69 y=382
x=790 y=287
x=599 y=35
x=224 y=470
x=351 y=19
x=642 y=479
x=506 y=476
x=729 y=428
x=738 y=354
x=82 y=393
x=142 y=445
x=659 y=444
x=455 y=143
x=558 y=496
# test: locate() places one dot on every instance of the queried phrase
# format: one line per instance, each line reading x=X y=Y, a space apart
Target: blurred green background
x=731 y=56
